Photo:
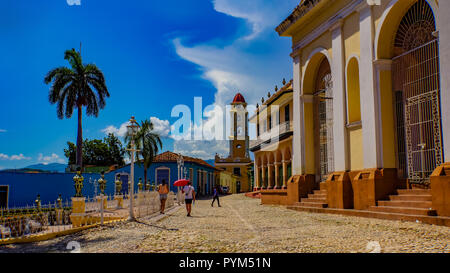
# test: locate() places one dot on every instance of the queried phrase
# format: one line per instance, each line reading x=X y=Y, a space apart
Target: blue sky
x=154 y=54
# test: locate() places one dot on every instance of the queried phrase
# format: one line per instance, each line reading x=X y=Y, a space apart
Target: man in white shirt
x=189 y=197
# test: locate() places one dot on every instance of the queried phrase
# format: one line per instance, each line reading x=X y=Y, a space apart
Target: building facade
x=273 y=145
x=238 y=161
x=165 y=166
x=370 y=95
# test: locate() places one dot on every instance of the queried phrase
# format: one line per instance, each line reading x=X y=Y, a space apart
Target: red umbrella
x=181 y=183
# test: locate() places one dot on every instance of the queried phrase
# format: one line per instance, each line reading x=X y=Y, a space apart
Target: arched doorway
x=416 y=87
x=323 y=113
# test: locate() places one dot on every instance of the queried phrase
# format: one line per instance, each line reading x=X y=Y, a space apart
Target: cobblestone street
x=243 y=225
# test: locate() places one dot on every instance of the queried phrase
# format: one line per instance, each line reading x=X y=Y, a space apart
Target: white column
x=256 y=175
x=339 y=101
x=285 y=173
x=444 y=56
x=370 y=100
x=269 y=174
x=298 y=142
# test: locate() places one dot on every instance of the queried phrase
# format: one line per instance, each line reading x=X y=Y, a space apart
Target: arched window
x=353 y=92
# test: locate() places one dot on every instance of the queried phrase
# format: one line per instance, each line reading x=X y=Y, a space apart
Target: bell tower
x=239 y=139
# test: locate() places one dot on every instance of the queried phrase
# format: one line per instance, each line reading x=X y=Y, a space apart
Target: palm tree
x=148 y=142
x=74 y=88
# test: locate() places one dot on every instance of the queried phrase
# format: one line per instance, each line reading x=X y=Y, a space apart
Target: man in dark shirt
x=215 y=196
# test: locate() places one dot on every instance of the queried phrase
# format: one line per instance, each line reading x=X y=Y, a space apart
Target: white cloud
x=121 y=131
x=238 y=67
x=13 y=157
x=162 y=127
x=53 y=158
x=260 y=14
x=201 y=149
x=74 y=2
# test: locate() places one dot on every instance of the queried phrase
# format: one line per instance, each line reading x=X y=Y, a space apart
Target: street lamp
x=180 y=163
x=132 y=131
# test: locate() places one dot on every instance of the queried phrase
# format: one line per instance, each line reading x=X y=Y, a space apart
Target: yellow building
x=229 y=180
x=273 y=145
x=371 y=90
x=238 y=160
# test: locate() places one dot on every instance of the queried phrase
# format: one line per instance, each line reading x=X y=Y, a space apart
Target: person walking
x=216 y=196
x=163 y=190
x=189 y=197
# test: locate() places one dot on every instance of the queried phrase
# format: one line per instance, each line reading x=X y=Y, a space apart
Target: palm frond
x=74 y=58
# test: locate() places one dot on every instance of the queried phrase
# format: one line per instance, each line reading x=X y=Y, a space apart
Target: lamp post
x=132 y=130
x=180 y=163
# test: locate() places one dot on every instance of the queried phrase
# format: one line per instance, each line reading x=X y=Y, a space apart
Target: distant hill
x=52 y=167
x=24 y=170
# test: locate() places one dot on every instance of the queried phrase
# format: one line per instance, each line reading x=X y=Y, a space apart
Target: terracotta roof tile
x=173 y=157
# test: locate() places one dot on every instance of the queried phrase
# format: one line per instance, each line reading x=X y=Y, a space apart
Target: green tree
x=71 y=153
x=106 y=152
x=148 y=142
x=74 y=88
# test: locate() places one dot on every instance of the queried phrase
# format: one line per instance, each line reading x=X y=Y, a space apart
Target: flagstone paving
x=243 y=225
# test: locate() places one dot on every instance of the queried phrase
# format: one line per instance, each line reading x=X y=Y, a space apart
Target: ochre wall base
x=339 y=191
x=299 y=186
x=372 y=185
x=274 y=197
x=440 y=189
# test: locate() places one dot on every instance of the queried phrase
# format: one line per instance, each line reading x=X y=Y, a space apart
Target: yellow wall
x=356 y=150
x=351 y=35
x=227 y=179
x=353 y=92
x=311 y=67
x=309 y=139
x=387 y=113
x=313 y=21
x=390 y=25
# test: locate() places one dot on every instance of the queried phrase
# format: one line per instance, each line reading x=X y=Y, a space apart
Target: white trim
x=383 y=64
x=232 y=163
x=318 y=50
x=298 y=139
x=352 y=56
x=356 y=56
x=370 y=99
x=340 y=143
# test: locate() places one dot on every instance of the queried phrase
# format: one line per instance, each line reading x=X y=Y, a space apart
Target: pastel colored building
x=273 y=145
x=165 y=167
x=227 y=179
